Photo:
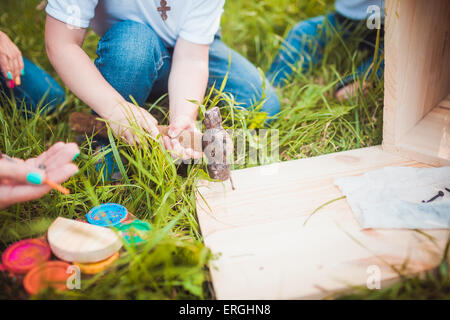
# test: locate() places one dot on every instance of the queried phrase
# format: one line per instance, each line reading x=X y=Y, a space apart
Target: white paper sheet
x=392 y=197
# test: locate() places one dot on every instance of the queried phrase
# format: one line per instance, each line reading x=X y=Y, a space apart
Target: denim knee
x=38 y=90
x=313 y=27
x=243 y=80
x=309 y=36
x=130 y=55
x=307 y=27
x=272 y=104
x=132 y=44
x=302 y=45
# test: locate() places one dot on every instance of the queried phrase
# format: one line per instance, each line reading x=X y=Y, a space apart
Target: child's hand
x=125 y=116
x=351 y=90
x=171 y=142
x=22 y=181
x=11 y=61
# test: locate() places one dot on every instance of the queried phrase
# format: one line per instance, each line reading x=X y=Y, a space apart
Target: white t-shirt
x=196 y=21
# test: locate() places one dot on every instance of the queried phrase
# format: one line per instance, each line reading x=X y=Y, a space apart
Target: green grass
x=173 y=265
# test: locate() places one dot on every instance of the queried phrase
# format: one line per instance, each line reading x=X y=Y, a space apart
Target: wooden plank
x=445 y=103
x=429 y=140
x=417 y=59
x=266 y=251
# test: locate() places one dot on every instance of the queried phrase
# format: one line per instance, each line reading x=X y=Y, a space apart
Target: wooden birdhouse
x=268 y=246
x=417 y=80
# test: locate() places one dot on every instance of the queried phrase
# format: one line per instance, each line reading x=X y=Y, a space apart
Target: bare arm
x=64 y=49
x=188 y=80
x=76 y=68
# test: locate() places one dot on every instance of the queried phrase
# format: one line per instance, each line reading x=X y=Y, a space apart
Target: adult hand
x=172 y=143
x=125 y=116
x=22 y=181
x=11 y=61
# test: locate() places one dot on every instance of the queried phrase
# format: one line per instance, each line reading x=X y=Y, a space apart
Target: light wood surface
x=445 y=103
x=429 y=140
x=266 y=250
x=417 y=79
x=76 y=241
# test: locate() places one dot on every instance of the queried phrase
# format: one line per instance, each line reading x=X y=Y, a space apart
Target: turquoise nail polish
x=22 y=72
x=76 y=156
x=35 y=178
x=9 y=75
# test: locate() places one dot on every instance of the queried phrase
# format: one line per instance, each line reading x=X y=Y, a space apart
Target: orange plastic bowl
x=50 y=274
x=97 y=267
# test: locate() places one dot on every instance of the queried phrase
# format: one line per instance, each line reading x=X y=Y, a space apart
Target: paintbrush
x=57 y=187
x=54 y=185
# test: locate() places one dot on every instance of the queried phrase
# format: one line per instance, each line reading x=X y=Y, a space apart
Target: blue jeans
x=304 y=45
x=135 y=61
x=38 y=89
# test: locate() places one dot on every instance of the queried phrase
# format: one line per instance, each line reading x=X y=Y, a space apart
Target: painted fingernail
x=11 y=84
x=9 y=75
x=76 y=156
x=18 y=82
x=35 y=178
x=22 y=72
